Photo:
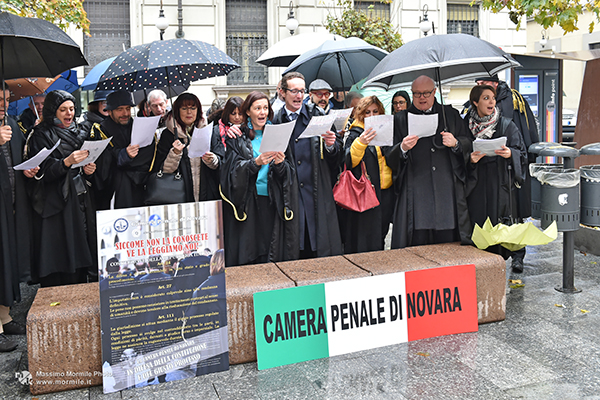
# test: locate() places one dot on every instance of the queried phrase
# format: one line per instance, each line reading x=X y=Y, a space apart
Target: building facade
x=246 y=28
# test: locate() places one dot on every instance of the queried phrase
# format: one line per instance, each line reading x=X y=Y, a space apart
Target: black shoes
x=12 y=328
x=6 y=344
x=517 y=265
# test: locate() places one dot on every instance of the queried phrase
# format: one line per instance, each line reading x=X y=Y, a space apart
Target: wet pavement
x=547 y=348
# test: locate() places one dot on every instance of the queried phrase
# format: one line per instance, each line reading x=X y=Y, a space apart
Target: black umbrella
x=164 y=63
x=339 y=62
x=32 y=47
x=444 y=58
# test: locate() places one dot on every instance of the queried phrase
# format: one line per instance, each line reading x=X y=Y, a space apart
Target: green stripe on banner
x=291 y=325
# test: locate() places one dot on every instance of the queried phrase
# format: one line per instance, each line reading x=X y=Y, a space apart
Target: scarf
x=483 y=127
x=223 y=131
x=71 y=138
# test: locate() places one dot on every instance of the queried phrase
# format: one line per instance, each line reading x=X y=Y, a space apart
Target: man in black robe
x=130 y=164
x=32 y=114
x=15 y=235
x=513 y=106
x=430 y=174
x=314 y=159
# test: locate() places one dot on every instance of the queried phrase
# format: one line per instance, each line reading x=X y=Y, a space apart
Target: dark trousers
x=430 y=236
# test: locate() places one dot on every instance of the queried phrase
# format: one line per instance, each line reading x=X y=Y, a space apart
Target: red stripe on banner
x=441 y=301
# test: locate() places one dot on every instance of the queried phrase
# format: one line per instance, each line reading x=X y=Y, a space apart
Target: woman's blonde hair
x=363 y=104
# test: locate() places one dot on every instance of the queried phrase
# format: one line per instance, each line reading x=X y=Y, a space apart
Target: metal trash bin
x=590 y=195
x=560 y=198
x=536 y=187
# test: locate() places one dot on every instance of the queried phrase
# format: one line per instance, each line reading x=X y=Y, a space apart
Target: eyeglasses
x=399 y=103
x=322 y=94
x=296 y=91
x=423 y=94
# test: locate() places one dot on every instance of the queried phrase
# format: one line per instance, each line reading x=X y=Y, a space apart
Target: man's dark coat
x=314 y=165
x=449 y=177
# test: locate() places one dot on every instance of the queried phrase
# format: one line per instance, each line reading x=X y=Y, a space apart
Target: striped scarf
x=483 y=127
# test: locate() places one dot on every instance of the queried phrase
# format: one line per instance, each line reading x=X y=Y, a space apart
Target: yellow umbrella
x=513 y=237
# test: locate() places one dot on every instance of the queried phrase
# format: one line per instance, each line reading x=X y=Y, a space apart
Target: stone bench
x=63 y=340
x=67 y=337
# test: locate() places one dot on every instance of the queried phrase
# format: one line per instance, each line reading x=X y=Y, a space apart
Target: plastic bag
x=590 y=173
x=535 y=169
x=560 y=178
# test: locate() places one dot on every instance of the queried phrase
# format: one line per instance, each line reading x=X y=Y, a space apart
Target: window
x=374 y=9
x=462 y=18
x=594 y=46
x=246 y=40
x=109 y=29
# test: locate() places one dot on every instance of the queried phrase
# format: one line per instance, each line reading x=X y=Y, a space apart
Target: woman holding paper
x=200 y=174
x=492 y=192
x=64 y=219
x=366 y=231
x=260 y=193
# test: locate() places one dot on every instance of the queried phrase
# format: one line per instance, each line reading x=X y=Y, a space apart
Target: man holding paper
x=15 y=263
x=314 y=158
x=130 y=163
x=429 y=169
x=494 y=194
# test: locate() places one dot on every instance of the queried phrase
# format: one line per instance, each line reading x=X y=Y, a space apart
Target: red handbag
x=355 y=195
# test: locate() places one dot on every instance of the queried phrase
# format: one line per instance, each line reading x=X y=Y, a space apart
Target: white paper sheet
x=143 y=130
x=422 y=125
x=318 y=126
x=200 y=143
x=384 y=126
x=488 y=146
x=37 y=159
x=341 y=116
x=276 y=137
x=95 y=147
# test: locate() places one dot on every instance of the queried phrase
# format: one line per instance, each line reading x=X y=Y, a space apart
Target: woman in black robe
x=493 y=193
x=227 y=117
x=200 y=174
x=64 y=221
x=366 y=231
x=260 y=193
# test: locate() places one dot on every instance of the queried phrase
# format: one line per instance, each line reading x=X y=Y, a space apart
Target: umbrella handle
x=440 y=146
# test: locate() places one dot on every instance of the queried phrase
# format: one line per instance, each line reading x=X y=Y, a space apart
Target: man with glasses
x=157 y=103
x=319 y=95
x=430 y=173
x=314 y=159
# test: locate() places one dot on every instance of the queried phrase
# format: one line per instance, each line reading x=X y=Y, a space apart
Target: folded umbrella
x=512 y=237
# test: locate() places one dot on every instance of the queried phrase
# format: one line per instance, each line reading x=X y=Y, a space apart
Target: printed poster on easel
x=162 y=294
